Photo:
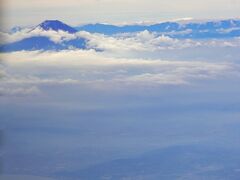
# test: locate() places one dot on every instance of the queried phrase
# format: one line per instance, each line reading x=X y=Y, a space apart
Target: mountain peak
x=56 y=25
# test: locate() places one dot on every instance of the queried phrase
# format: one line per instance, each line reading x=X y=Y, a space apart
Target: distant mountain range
x=192 y=30
x=211 y=29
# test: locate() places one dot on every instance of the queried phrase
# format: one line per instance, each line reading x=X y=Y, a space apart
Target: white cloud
x=97 y=70
x=225 y=31
x=148 y=41
x=55 y=36
x=33 y=80
x=144 y=41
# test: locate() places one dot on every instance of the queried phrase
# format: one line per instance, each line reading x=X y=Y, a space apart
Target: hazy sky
x=26 y=12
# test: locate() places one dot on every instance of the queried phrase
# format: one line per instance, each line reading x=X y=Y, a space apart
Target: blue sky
x=25 y=12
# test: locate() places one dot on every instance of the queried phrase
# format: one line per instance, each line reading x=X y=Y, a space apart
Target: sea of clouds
x=145 y=40
x=129 y=59
x=125 y=95
x=25 y=72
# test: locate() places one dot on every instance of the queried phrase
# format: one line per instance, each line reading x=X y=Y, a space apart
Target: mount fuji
x=55 y=25
x=220 y=29
x=43 y=42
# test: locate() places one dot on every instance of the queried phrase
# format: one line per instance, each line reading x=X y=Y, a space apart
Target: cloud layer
x=27 y=72
x=144 y=41
x=118 y=65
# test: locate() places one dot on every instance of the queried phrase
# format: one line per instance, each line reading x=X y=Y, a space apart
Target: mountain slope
x=42 y=43
x=32 y=43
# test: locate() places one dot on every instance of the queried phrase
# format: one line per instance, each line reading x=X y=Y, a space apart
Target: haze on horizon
x=28 y=12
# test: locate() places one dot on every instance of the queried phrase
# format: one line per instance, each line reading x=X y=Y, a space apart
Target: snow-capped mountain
x=55 y=25
x=42 y=36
